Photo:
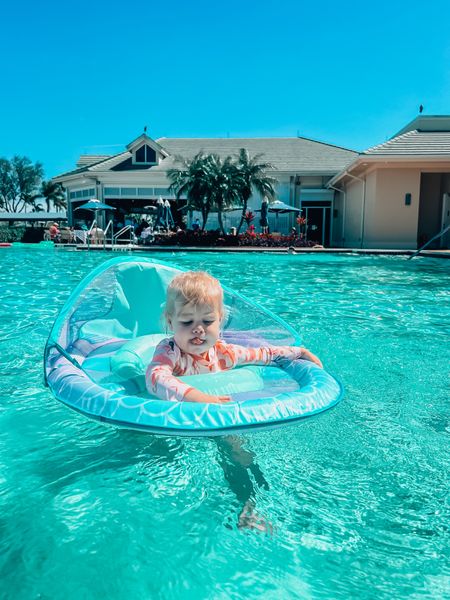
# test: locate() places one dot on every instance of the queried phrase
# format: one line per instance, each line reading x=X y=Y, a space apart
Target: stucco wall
x=353 y=203
x=389 y=223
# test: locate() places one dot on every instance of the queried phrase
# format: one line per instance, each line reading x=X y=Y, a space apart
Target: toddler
x=194 y=312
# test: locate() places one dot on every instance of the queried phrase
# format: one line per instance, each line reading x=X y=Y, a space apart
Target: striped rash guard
x=170 y=362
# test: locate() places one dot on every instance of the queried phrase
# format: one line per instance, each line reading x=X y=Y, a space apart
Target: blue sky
x=86 y=77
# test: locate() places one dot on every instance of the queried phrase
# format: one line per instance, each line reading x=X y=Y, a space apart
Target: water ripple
x=355 y=501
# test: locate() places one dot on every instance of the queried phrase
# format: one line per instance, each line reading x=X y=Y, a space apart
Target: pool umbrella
x=159 y=212
x=95 y=205
x=168 y=219
x=279 y=207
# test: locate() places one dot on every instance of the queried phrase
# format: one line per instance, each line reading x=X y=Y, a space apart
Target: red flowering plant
x=248 y=217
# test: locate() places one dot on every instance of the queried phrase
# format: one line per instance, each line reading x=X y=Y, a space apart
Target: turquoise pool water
x=357 y=497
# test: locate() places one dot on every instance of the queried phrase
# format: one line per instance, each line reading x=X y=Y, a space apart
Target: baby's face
x=195 y=327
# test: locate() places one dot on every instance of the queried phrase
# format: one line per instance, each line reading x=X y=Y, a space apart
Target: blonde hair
x=196 y=287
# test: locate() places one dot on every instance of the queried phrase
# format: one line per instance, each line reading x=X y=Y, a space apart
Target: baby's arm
x=233 y=355
x=161 y=381
x=159 y=377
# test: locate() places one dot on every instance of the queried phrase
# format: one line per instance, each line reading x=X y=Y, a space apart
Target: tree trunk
x=219 y=218
x=245 y=198
x=205 y=214
x=244 y=210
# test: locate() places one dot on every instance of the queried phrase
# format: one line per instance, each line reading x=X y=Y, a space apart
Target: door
x=318 y=223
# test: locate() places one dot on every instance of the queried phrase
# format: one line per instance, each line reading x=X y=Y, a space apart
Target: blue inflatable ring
x=103 y=339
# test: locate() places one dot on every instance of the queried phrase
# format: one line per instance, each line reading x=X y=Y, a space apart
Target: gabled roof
x=430 y=144
x=104 y=164
x=423 y=143
x=111 y=161
x=145 y=139
x=426 y=123
x=300 y=155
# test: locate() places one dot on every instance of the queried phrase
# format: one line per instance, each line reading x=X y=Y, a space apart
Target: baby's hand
x=307 y=355
x=216 y=399
x=198 y=396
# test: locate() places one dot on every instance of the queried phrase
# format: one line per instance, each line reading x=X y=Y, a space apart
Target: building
x=135 y=178
x=394 y=195
x=397 y=194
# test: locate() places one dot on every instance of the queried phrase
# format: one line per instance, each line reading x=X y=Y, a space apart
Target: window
x=112 y=191
x=86 y=193
x=162 y=192
x=145 y=191
x=145 y=155
x=127 y=191
x=140 y=154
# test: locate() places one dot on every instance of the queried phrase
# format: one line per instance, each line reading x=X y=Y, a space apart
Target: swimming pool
x=357 y=495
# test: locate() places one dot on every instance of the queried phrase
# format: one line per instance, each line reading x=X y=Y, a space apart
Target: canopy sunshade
x=94 y=204
x=279 y=207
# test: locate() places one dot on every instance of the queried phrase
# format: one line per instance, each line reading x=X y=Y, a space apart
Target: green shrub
x=11 y=234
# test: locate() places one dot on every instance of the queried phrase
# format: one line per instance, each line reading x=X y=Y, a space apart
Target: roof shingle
x=415 y=143
x=299 y=155
x=286 y=154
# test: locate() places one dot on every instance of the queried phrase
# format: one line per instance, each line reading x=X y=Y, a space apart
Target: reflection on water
x=354 y=500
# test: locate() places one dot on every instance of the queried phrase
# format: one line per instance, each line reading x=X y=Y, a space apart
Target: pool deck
x=363 y=251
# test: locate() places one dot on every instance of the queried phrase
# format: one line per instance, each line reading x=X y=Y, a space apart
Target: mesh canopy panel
x=124 y=300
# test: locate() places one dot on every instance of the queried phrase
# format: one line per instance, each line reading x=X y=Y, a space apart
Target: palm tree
x=194 y=181
x=209 y=183
x=30 y=201
x=226 y=184
x=35 y=207
x=53 y=193
x=253 y=177
x=59 y=201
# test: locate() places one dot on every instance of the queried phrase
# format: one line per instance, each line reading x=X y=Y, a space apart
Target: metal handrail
x=88 y=234
x=122 y=231
x=83 y=239
x=110 y=224
x=440 y=234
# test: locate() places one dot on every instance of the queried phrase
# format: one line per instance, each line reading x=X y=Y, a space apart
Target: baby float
x=104 y=337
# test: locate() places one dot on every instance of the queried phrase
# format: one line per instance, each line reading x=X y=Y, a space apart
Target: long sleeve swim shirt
x=170 y=362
